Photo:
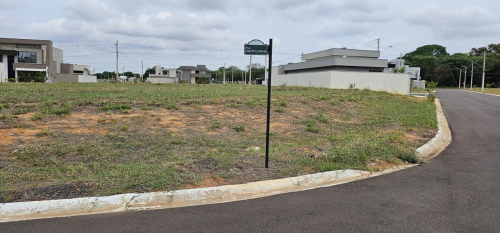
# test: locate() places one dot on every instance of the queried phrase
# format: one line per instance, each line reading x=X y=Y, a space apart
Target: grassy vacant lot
x=73 y=140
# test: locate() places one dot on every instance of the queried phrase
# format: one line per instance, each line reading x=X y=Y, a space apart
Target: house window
x=27 y=57
x=1 y=58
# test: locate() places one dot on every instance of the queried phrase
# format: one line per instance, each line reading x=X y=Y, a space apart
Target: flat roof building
x=162 y=75
x=341 y=69
x=192 y=74
x=338 y=60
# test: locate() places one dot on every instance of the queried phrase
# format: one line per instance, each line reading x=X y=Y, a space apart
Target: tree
x=427 y=50
x=427 y=64
x=444 y=76
x=149 y=71
x=129 y=74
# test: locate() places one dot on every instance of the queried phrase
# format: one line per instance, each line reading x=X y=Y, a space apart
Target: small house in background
x=74 y=73
x=195 y=74
x=163 y=75
x=414 y=72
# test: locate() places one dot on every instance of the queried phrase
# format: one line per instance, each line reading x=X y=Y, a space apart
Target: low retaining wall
x=162 y=80
x=389 y=82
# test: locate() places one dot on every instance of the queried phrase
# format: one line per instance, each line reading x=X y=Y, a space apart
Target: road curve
x=458 y=191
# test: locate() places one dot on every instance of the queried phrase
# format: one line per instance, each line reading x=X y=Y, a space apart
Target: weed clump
x=111 y=107
x=171 y=105
x=239 y=128
x=216 y=125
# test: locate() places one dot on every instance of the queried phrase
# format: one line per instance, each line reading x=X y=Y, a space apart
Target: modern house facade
x=163 y=75
x=23 y=57
x=342 y=69
x=192 y=74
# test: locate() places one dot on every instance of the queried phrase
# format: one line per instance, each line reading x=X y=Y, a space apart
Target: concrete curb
x=442 y=139
x=192 y=197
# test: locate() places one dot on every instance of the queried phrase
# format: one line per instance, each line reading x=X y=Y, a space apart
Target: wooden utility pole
x=232 y=76
x=224 y=74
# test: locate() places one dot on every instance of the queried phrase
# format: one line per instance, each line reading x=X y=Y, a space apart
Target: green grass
x=342 y=129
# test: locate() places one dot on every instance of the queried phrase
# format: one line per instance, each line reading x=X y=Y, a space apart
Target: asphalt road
x=459 y=191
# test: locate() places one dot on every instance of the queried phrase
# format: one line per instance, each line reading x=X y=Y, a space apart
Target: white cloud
x=340 y=29
x=451 y=23
x=328 y=44
x=10 y=4
x=168 y=26
x=87 y=10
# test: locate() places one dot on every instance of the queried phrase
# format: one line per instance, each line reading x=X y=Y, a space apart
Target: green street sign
x=255 y=47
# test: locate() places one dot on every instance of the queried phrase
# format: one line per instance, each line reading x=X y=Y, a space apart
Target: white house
x=163 y=75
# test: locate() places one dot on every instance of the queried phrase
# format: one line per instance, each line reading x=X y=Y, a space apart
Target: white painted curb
x=442 y=139
x=191 y=197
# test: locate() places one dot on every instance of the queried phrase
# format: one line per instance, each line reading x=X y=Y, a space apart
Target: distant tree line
x=437 y=65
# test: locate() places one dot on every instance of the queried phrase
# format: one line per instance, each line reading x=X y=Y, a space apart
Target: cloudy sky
x=212 y=32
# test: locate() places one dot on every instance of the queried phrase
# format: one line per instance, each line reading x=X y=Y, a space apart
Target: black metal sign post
x=257 y=47
x=270 y=52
